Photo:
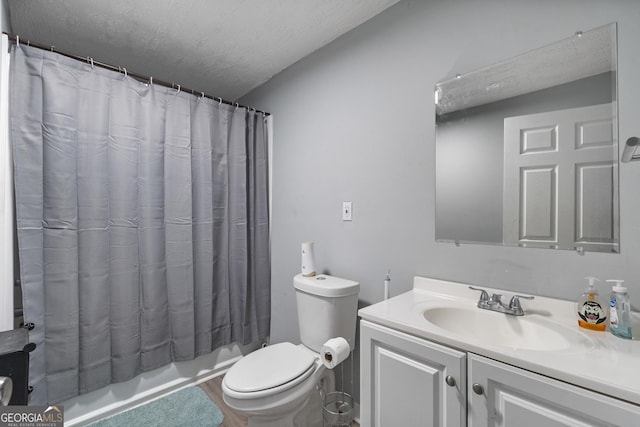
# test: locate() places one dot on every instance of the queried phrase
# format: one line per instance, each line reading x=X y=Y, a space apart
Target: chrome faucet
x=494 y=303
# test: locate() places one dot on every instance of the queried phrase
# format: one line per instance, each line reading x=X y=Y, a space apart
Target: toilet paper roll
x=6 y=388
x=308 y=263
x=334 y=352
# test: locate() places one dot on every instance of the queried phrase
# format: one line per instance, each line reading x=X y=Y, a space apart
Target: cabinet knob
x=477 y=388
x=450 y=381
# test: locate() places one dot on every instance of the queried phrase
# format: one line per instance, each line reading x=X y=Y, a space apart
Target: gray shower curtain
x=142 y=216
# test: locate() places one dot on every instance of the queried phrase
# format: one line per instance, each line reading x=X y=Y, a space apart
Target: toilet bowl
x=281 y=385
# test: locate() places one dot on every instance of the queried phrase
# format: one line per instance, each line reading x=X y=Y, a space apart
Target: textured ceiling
x=221 y=47
x=574 y=58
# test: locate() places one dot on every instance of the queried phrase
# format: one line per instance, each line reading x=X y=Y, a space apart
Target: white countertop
x=594 y=360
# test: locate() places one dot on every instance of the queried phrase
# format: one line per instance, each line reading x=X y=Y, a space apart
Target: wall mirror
x=527 y=149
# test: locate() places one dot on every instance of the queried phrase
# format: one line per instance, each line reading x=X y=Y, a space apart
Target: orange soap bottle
x=593 y=312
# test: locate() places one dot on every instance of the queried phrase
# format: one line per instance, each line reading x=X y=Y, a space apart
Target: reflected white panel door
x=409 y=381
x=501 y=395
x=560 y=179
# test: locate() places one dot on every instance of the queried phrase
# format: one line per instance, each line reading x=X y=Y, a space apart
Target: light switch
x=346 y=211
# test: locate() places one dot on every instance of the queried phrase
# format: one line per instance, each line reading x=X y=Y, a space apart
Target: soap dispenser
x=620 y=306
x=592 y=310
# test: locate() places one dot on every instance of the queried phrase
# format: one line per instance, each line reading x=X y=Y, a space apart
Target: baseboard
x=110 y=400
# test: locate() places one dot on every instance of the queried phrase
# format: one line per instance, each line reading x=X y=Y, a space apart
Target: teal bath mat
x=187 y=407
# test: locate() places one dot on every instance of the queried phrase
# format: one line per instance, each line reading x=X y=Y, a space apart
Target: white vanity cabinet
x=409 y=381
x=503 y=395
x=539 y=369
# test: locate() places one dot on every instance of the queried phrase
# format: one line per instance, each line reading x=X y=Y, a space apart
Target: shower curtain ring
x=236 y=109
x=125 y=72
x=150 y=80
x=17 y=40
x=178 y=91
x=219 y=101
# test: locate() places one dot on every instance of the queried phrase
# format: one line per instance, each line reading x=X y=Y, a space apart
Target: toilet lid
x=269 y=367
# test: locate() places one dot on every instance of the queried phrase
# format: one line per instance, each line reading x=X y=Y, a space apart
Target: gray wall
x=355 y=121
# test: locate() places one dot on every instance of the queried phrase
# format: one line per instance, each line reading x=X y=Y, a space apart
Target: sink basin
x=499 y=329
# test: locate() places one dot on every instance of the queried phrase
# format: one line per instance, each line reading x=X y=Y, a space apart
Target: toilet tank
x=327 y=308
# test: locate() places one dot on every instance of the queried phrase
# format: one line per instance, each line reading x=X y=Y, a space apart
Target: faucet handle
x=514 y=304
x=484 y=296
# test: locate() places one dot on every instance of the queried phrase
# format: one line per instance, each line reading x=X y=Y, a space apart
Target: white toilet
x=279 y=385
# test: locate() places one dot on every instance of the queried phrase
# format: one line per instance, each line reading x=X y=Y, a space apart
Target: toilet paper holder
x=335 y=351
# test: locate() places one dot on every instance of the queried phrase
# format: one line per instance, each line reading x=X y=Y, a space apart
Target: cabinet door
x=403 y=380
x=513 y=397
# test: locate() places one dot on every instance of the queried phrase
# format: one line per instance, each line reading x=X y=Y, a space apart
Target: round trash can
x=337 y=410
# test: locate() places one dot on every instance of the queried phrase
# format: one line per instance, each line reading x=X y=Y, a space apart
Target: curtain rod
x=16 y=38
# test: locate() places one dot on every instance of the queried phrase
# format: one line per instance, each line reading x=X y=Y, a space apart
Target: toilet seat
x=268 y=371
